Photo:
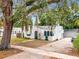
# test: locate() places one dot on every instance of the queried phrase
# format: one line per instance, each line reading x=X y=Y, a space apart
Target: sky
x=77 y=1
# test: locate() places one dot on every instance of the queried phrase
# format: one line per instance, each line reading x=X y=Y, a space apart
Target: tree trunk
x=8 y=24
x=22 y=33
x=5 y=43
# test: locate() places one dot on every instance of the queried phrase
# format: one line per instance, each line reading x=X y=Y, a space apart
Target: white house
x=40 y=32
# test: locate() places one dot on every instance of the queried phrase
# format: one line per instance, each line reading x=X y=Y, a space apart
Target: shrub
x=76 y=43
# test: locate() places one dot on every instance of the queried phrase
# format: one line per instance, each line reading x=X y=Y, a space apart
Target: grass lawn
x=28 y=42
x=34 y=43
x=15 y=40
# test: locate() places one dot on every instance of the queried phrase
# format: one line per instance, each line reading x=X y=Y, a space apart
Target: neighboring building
x=14 y=31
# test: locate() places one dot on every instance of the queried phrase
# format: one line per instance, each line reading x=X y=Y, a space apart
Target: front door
x=36 y=35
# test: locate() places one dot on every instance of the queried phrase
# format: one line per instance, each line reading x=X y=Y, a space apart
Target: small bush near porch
x=76 y=43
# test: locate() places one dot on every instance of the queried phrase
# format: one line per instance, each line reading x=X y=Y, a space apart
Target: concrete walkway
x=30 y=53
x=63 y=45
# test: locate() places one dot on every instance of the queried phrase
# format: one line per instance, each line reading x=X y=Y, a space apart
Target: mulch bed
x=34 y=43
x=8 y=52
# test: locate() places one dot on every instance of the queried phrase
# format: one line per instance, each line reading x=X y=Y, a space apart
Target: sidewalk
x=30 y=53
